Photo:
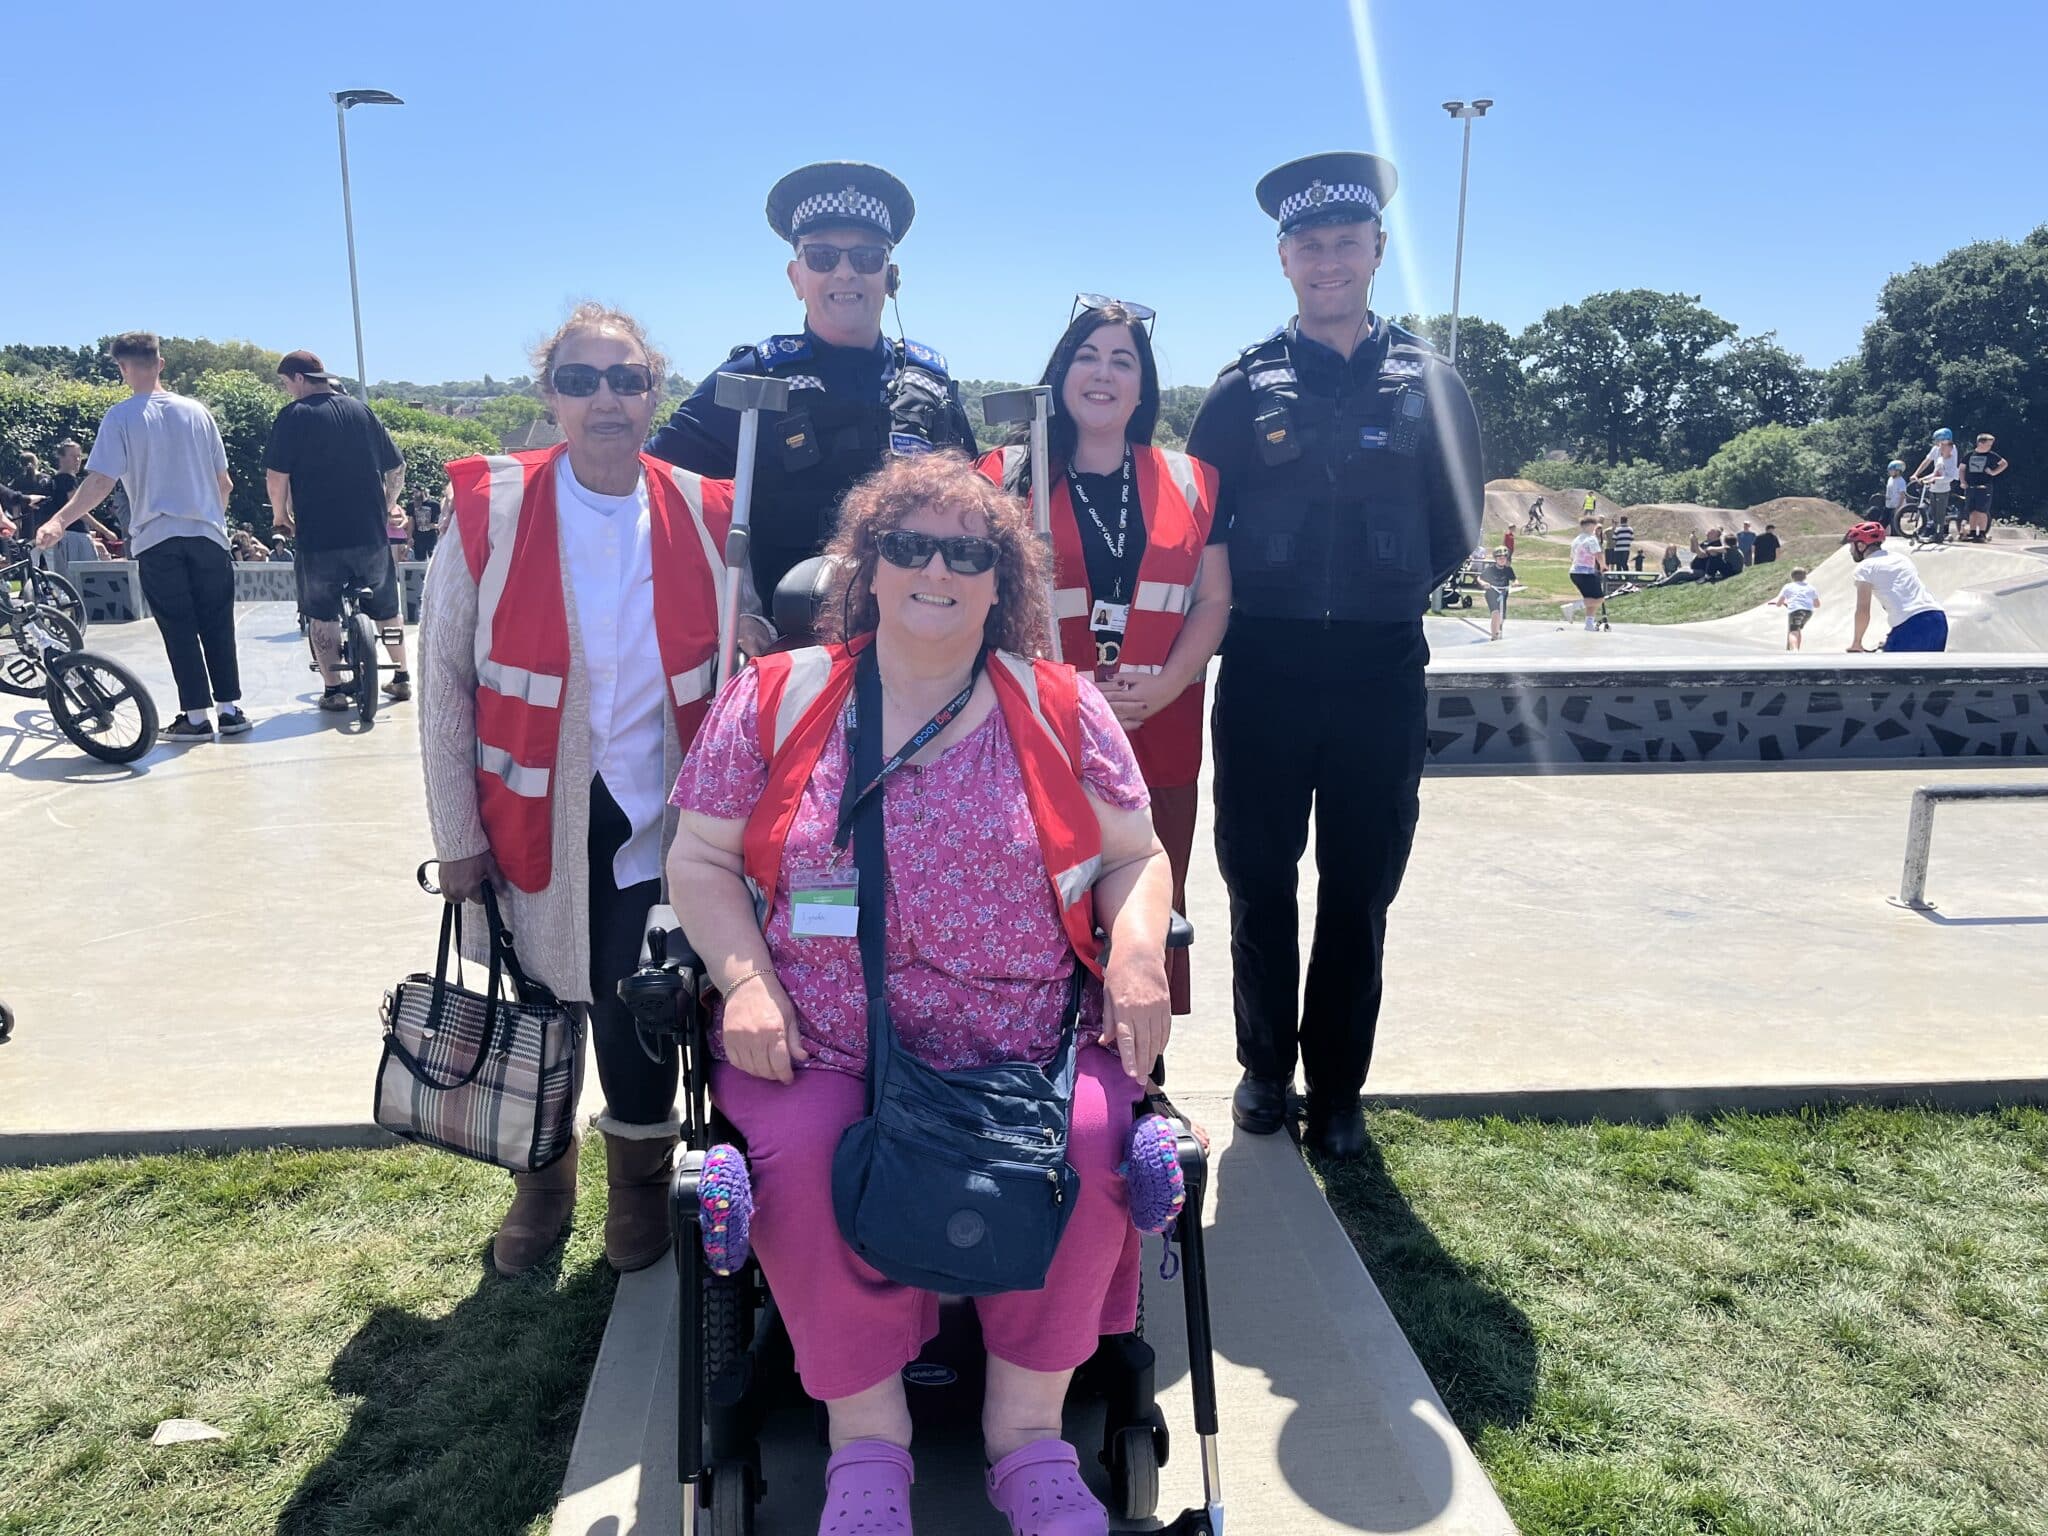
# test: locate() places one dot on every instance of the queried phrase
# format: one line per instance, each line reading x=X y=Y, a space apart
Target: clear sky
x=174 y=166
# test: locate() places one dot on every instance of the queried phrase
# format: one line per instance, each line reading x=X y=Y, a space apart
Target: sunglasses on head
x=1093 y=302
x=580 y=379
x=965 y=555
x=867 y=259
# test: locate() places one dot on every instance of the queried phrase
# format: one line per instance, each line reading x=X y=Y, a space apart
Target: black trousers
x=190 y=588
x=1326 y=721
x=637 y=1089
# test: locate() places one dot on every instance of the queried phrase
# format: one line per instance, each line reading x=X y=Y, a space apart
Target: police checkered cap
x=1316 y=198
x=1344 y=186
x=846 y=203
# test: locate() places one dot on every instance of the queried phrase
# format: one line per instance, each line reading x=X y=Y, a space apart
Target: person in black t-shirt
x=334 y=477
x=1767 y=545
x=1983 y=465
x=1496 y=578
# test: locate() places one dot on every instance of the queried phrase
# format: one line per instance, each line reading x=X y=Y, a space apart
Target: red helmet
x=1865 y=533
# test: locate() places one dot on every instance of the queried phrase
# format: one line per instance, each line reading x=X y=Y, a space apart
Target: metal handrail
x=1920 y=829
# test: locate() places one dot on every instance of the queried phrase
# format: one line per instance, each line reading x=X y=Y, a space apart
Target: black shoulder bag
x=956 y=1182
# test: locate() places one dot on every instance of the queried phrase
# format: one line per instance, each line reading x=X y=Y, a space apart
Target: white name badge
x=826 y=906
x=1114 y=617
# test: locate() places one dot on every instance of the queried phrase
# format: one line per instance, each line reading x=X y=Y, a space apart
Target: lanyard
x=1116 y=545
x=849 y=805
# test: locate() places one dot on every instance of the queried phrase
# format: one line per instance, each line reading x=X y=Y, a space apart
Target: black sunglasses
x=965 y=555
x=1091 y=302
x=581 y=379
x=867 y=259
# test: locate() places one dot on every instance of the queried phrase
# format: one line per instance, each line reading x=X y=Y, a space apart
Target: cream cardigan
x=550 y=927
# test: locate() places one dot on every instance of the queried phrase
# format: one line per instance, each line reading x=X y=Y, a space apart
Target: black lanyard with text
x=867 y=690
x=1117 y=545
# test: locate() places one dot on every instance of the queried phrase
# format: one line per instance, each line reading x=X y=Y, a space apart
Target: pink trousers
x=852 y=1328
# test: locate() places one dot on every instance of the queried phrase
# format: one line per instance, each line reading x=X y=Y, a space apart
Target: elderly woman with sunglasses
x=568 y=640
x=999 y=772
x=1140 y=595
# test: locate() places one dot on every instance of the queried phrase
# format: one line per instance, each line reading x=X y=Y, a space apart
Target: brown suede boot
x=541 y=1203
x=637 y=1171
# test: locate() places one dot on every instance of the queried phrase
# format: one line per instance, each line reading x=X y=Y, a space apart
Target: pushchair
x=733 y=1353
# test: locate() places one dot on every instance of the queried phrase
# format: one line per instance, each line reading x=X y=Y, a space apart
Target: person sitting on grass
x=1497 y=577
x=1800 y=601
x=1917 y=620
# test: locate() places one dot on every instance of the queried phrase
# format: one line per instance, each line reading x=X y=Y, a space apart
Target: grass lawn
x=1822 y=1325
x=335 y=1313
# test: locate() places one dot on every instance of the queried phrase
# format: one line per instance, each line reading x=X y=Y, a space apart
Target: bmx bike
x=1537 y=522
x=360 y=637
x=101 y=707
x=25 y=580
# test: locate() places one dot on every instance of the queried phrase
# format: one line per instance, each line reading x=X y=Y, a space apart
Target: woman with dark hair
x=1013 y=818
x=1140 y=595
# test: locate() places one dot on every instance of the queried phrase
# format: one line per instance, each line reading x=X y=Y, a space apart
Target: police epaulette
x=925 y=357
x=781 y=351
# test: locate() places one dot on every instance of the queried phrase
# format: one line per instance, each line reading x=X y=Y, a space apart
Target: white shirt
x=1895 y=493
x=1944 y=470
x=1897 y=585
x=1799 y=594
x=1585 y=551
x=608 y=558
x=167 y=453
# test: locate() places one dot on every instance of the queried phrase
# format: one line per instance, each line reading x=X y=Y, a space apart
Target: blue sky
x=176 y=166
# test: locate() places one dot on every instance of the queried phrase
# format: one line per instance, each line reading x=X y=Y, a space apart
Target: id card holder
x=825 y=905
x=1114 y=617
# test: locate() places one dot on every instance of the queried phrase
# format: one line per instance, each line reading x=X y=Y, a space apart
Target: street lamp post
x=343 y=100
x=1464 y=111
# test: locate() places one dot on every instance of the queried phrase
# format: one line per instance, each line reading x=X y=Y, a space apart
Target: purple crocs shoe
x=1152 y=1174
x=1040 y=1492
x=867 y=1491
x=725 y=1205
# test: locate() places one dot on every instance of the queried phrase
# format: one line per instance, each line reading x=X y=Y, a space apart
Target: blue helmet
x=1895 y=467
x=1944 y=436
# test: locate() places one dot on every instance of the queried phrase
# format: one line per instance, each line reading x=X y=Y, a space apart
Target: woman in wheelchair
x=1015 y=823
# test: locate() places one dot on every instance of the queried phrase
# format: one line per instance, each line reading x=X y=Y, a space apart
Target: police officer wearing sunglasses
x=1348 y=454
x=855 y=395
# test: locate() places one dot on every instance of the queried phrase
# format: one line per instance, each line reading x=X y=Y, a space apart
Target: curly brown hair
x=1021 y=620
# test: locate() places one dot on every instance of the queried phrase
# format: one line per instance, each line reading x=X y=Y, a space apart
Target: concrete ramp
x=1329 y=1423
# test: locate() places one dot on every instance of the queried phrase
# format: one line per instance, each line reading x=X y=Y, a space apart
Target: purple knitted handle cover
x=725 y=1198
x=1153 y=1176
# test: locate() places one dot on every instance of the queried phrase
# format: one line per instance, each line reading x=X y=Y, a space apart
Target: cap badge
x=1317 y=192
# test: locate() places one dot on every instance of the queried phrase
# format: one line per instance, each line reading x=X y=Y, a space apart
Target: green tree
x=506 y=414
x=1760 y=465
x=427 y=456
x=1616 y=373
x=1490 y=361
x=39 y=413
x=476 y=436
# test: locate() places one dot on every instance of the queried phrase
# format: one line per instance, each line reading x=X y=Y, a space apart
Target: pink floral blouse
x=978 y=962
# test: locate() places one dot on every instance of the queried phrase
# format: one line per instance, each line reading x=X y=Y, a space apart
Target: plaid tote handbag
x=492 y=1077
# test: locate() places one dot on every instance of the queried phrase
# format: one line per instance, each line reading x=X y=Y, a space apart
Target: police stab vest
x=815 y=450
x=504 y=505
x=1331 y=522
x=1177 y=500
x=802 y=694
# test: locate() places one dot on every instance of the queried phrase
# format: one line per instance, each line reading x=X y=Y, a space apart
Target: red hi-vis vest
x=801 y=696
x=1177 y=498
x=505 y=508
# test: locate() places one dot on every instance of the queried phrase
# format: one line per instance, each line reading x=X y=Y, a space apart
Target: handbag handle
x=497 y=1019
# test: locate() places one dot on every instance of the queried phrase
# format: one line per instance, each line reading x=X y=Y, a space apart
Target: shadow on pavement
x=462 y=1423
x=1476 y=1345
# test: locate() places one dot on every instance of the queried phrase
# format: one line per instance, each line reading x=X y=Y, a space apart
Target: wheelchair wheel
x=102 y=707
x=54 y=591
x=1133 y=1464
x=733 y=1496
x=21 y=671
x=360 y=656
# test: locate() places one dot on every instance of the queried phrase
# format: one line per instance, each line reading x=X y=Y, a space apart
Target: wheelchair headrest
x=799 y=597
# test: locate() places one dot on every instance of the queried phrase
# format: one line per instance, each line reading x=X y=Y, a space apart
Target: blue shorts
x=1922 y=632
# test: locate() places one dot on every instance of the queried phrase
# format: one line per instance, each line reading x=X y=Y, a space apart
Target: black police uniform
x=848 y=406
x=1349 y=487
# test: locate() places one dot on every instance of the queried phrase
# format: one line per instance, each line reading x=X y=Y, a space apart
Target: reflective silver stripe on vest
x=1075 y=883
x=688 y=687
x=1071 y=602
x=692 y=487
x=1027 y=679
x=809 y=670
x=535 y=688
x=506 y=488
x=1139 y=667
x=527 y=783
x=1182 y=469
x=1163 y=597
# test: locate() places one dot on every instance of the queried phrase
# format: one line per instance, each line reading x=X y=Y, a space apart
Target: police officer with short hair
x=855 y=395
x=1348 y=453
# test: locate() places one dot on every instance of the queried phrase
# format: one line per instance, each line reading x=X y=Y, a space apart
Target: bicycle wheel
x=21 y=665
x=361 y=658
x=1910 y=521
x=54 y=591
x=101 y=706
